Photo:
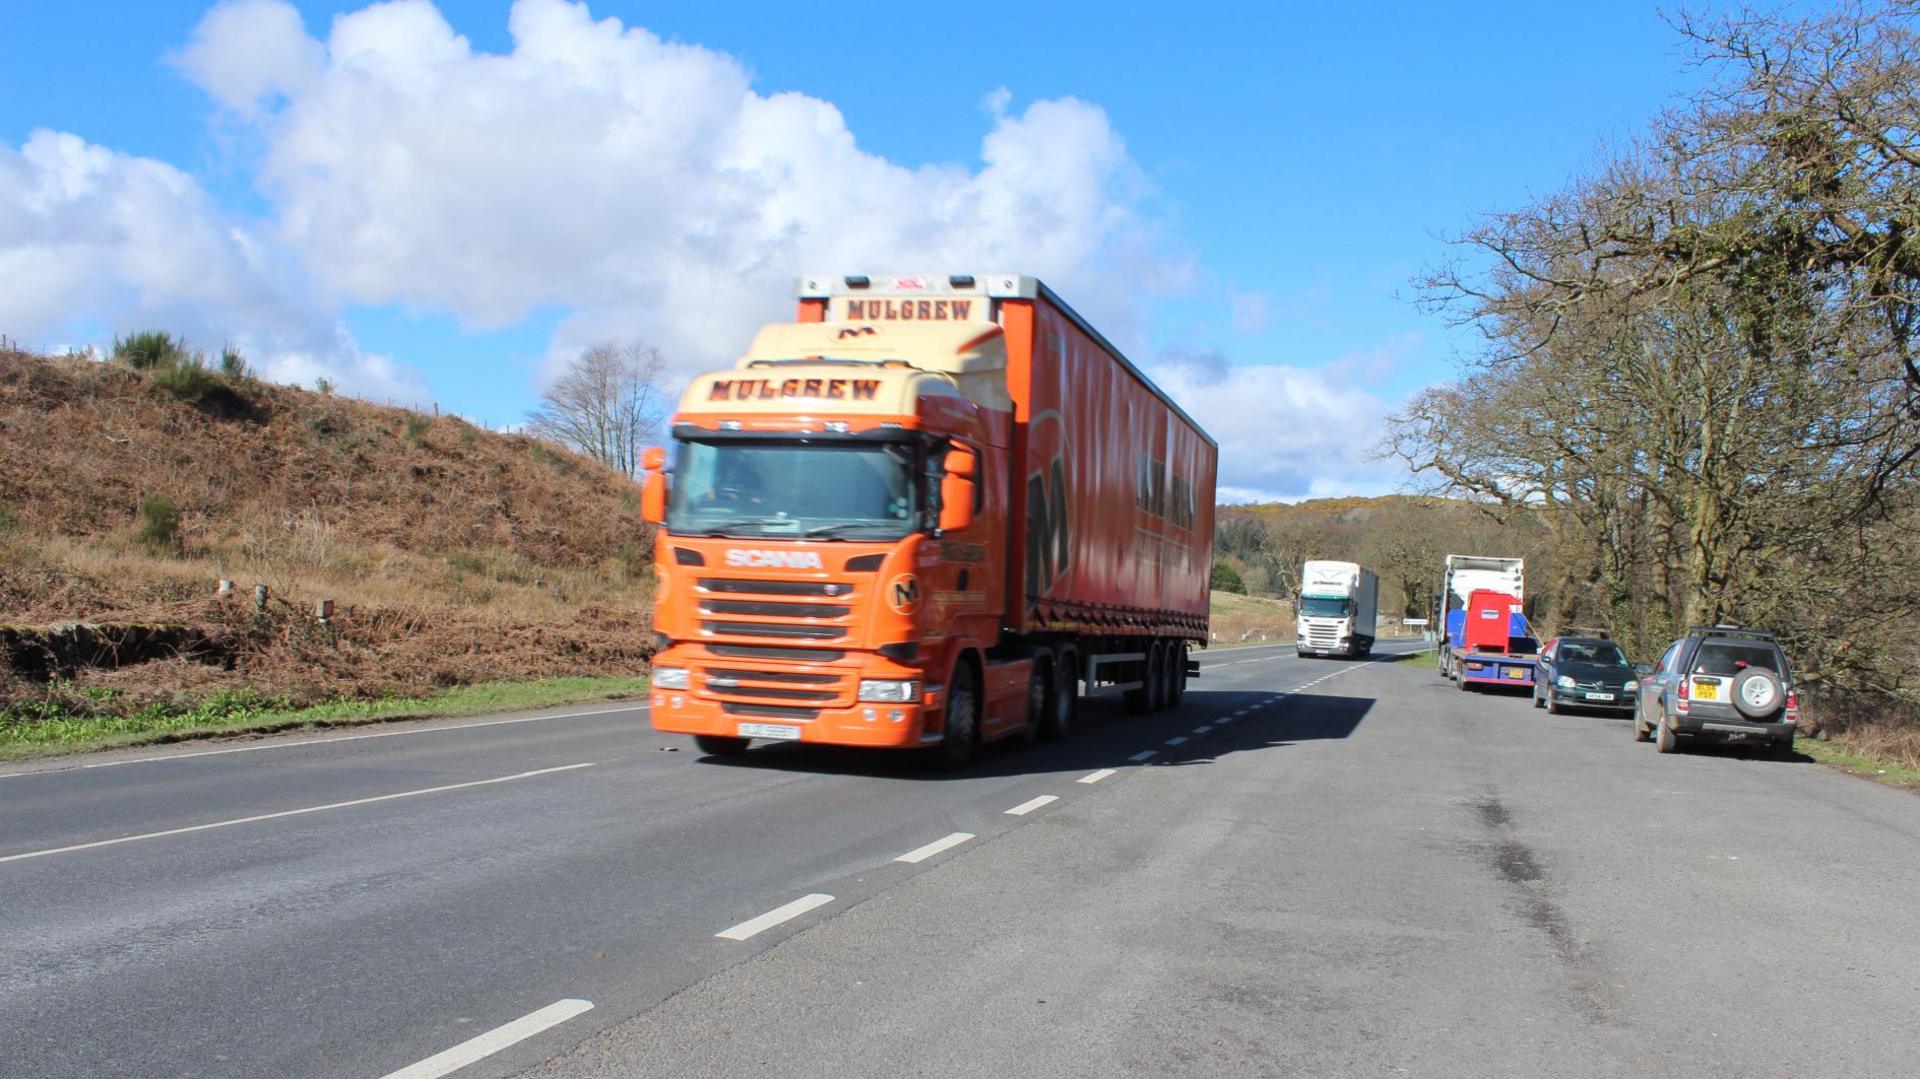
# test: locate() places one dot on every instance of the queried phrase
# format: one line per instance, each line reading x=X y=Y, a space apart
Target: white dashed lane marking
x=1143 y=755
x=1096 y=777
x=786 y=913
x=921 y=854
x=1032 y=804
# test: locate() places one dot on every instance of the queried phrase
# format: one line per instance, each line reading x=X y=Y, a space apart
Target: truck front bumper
x=883 y=726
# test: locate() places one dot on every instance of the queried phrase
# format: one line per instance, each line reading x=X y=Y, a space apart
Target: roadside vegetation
x=1698 y=378
x=451 y=556
x=30 y=729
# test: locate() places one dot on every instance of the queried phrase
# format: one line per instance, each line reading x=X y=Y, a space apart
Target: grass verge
x=1839 y=755
x=247 y=713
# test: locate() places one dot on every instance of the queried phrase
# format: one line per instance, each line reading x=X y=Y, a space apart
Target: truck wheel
x=1039 y=695
x=720 y=745
x=1664 y=738
x=1063 y=703
x=1157 y=676
x=1176 y=673
x=960 y=728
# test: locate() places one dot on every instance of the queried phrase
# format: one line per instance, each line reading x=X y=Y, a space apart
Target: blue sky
x=1284 y=173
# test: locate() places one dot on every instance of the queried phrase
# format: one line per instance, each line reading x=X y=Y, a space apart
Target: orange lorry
x=930 y=512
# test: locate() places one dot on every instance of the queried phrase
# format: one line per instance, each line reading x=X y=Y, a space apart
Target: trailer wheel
x=960 y=728
x=1177 y=674
x=720 y=745
x=1157 y=675
x=1063 y=703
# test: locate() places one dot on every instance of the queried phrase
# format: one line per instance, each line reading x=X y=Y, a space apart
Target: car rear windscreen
x=1717 y=657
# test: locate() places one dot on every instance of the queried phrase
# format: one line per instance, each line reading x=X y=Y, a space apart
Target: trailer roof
x=993 y=287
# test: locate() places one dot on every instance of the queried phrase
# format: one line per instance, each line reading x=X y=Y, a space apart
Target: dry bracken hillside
x=452 y=553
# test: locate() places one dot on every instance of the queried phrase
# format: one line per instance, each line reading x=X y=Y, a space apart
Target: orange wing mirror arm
x=653 y=485
x=956 y=489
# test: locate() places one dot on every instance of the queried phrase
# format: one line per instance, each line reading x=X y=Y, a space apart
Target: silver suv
x=1721 y=682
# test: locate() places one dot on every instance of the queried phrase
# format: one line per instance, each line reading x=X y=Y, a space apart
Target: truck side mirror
x=653 y=485
x=956 y=489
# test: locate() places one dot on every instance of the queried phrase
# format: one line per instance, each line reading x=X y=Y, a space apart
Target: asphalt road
x=1361 y=870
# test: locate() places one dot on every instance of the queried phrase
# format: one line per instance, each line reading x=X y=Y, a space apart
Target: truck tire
x=960 y=724
x=720 y=745
x=1177 y=673
x=1156 y=676
x=1039 y=695
x=1757 y=693
x=1664 y=738
x=1063 y=703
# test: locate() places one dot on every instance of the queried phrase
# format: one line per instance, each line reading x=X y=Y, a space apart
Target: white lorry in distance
x=1339 y=609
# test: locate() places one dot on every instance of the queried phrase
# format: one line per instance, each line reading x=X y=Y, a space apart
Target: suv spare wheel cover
x=1756 y=692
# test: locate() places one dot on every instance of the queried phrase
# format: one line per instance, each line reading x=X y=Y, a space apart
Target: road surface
x=1313 y=866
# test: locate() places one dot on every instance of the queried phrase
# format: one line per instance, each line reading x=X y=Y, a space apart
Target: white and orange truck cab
x=931 y=511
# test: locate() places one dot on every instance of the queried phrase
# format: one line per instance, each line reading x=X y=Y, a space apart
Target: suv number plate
x=1706 y=691
x=780 y=731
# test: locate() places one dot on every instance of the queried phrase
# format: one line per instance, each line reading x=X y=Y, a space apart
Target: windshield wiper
x=847 y=526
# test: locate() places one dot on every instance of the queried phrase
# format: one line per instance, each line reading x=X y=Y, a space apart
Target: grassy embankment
x=455 y=559
x=242 y=713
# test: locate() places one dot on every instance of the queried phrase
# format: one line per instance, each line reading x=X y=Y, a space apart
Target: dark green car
x=1584 y=672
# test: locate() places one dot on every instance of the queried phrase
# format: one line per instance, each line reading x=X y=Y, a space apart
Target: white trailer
x=1339 y=609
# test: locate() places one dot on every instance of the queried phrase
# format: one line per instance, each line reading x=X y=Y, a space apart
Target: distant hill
x=451 y=553
x=1403 y=538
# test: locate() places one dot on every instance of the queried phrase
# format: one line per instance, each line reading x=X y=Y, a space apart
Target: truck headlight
x=670 y=678
x=890 y=690
x=1565 y=681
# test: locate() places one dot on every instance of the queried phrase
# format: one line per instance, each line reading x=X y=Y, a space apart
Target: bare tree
x=607 y=404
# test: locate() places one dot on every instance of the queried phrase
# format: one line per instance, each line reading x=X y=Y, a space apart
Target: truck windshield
x=1325 y=607
x=850 y=490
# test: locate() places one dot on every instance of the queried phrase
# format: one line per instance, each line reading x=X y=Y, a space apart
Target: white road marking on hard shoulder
x=476 y=1049
x=635 y=707
x=290 y=813
x=1177 y=740
x=1032 y=804
x=921 y=854
x=1147 y=755
x=786 y=913
x=1095 y=777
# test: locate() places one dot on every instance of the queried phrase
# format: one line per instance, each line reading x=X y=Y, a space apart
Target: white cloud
x=91 y=236
x=642 y=185
x=1288 y=433
x=246 y=52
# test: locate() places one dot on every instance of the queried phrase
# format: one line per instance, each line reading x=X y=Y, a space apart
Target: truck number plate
x=1706 y=691
x=1515 y=672
x=780 y=731
x=1599 y=696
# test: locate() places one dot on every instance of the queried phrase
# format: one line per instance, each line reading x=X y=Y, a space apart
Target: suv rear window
x=1721 y=658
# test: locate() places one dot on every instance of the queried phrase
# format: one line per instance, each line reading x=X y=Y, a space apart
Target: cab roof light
x=960 y=280
x=858 y=281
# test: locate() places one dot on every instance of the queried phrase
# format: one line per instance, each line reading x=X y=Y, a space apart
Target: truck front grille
x=796 y=631
x=771 y=711
x=772 y=610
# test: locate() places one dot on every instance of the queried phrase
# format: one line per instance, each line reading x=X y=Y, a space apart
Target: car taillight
x=1793 y=704
x=1686 y=689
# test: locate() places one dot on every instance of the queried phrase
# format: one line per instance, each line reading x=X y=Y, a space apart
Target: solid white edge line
x=485 y=1045
x=637 y=707
x=288 y=813
x=921 y=854
x=1095 y=777
x=785 y=913
x=1143 y=756
x=1032 y=804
